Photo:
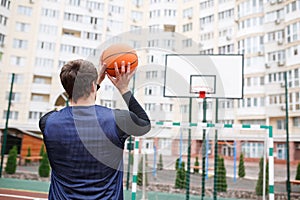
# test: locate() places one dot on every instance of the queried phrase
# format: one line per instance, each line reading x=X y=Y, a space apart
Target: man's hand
x=101 y=75
x=123 y=77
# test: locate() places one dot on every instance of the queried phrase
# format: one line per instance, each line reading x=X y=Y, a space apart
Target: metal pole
x=216 y=152
x=144 y=196
x=189 y=154
x=203 y=150
x=130 y=142
x=234 y=161
x=154 y=162
x=288 y=184
x=6 y=123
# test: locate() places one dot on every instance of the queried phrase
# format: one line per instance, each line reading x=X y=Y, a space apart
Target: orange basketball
x=118 y=53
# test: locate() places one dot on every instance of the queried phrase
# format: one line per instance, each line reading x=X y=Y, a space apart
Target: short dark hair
x=77 y=77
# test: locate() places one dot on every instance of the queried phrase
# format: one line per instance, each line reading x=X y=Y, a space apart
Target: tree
x=177 y=164
x=11 y=164
x=259 y=184
x=28 y=155
x=221 y=176
x=298 y=172
x=180 y=180
x=241 y=172
x=44 y=168
x=42 y=150
x=140 y=173
x=196 y=164
x=160 y=163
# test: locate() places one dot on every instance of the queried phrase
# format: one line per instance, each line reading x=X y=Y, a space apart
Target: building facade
x=38 y=37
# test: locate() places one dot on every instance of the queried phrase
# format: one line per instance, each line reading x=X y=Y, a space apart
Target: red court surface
x=11 y=194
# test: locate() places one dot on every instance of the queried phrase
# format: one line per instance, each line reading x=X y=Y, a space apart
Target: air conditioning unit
x=282 y=85
x=107 y=29
x=31 y=1
x=109 y=14
x=260 y=53
x=134 y=20
x=137 y=6
x=267 y=65
x=201 y=28
x=272 y=2
x=281 y=63
x=282 y=107
x=279 y=1
x=277 y=21
x=2 y=45
x=190 y=17
x=95 y=26
x=228 y=37
x=280 y=41
x=90 y=10
x=297 y=146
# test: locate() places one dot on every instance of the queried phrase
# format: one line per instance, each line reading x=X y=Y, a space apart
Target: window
x=22 y=27
x=48 y=29
x=17 y=79
x=149 y=106
x=24 y=10
x=184 y=108
x=136 y=15
x=15 y=96
x=12 y=115
x=46 y=46
x=187 y=43
x=74 y=2
x=5 y=3
x=39 y=98
x=253 y=149
x=46 y=12
x=167 y=107
x=72 y=17
x=20 y=44
x=150 y=90
x=188 y=13
x=281 y=151
x=187 y=27
x=108 y=103
x=35 y=115
x=44 y=62
x=280 y=124
x=17 y=61
x=94 y=5
x=151 y=74
x=296 y=121
x=3 y=20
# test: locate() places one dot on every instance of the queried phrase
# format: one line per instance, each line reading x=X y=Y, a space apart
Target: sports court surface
x=17 y=189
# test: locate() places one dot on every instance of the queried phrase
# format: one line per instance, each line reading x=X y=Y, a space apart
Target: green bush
x=298 y=172
x=242 y=171
x=177 y=164
x=259 y=184
x=140 y=173
x=180 y=180
x=42 y=150
x=28 y=155
x=197 y=164
x=221 y=176
x=160 y=164
x=44 y=168
x=11 y=164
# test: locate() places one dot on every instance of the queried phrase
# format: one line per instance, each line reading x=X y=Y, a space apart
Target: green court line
x=20 y=184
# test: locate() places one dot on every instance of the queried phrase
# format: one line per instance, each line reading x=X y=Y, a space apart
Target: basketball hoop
x=202 y=91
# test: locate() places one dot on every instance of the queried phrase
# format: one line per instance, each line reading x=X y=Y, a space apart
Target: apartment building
x=38 y=37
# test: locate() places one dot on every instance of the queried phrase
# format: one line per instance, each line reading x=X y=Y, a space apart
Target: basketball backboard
x=220 y=76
